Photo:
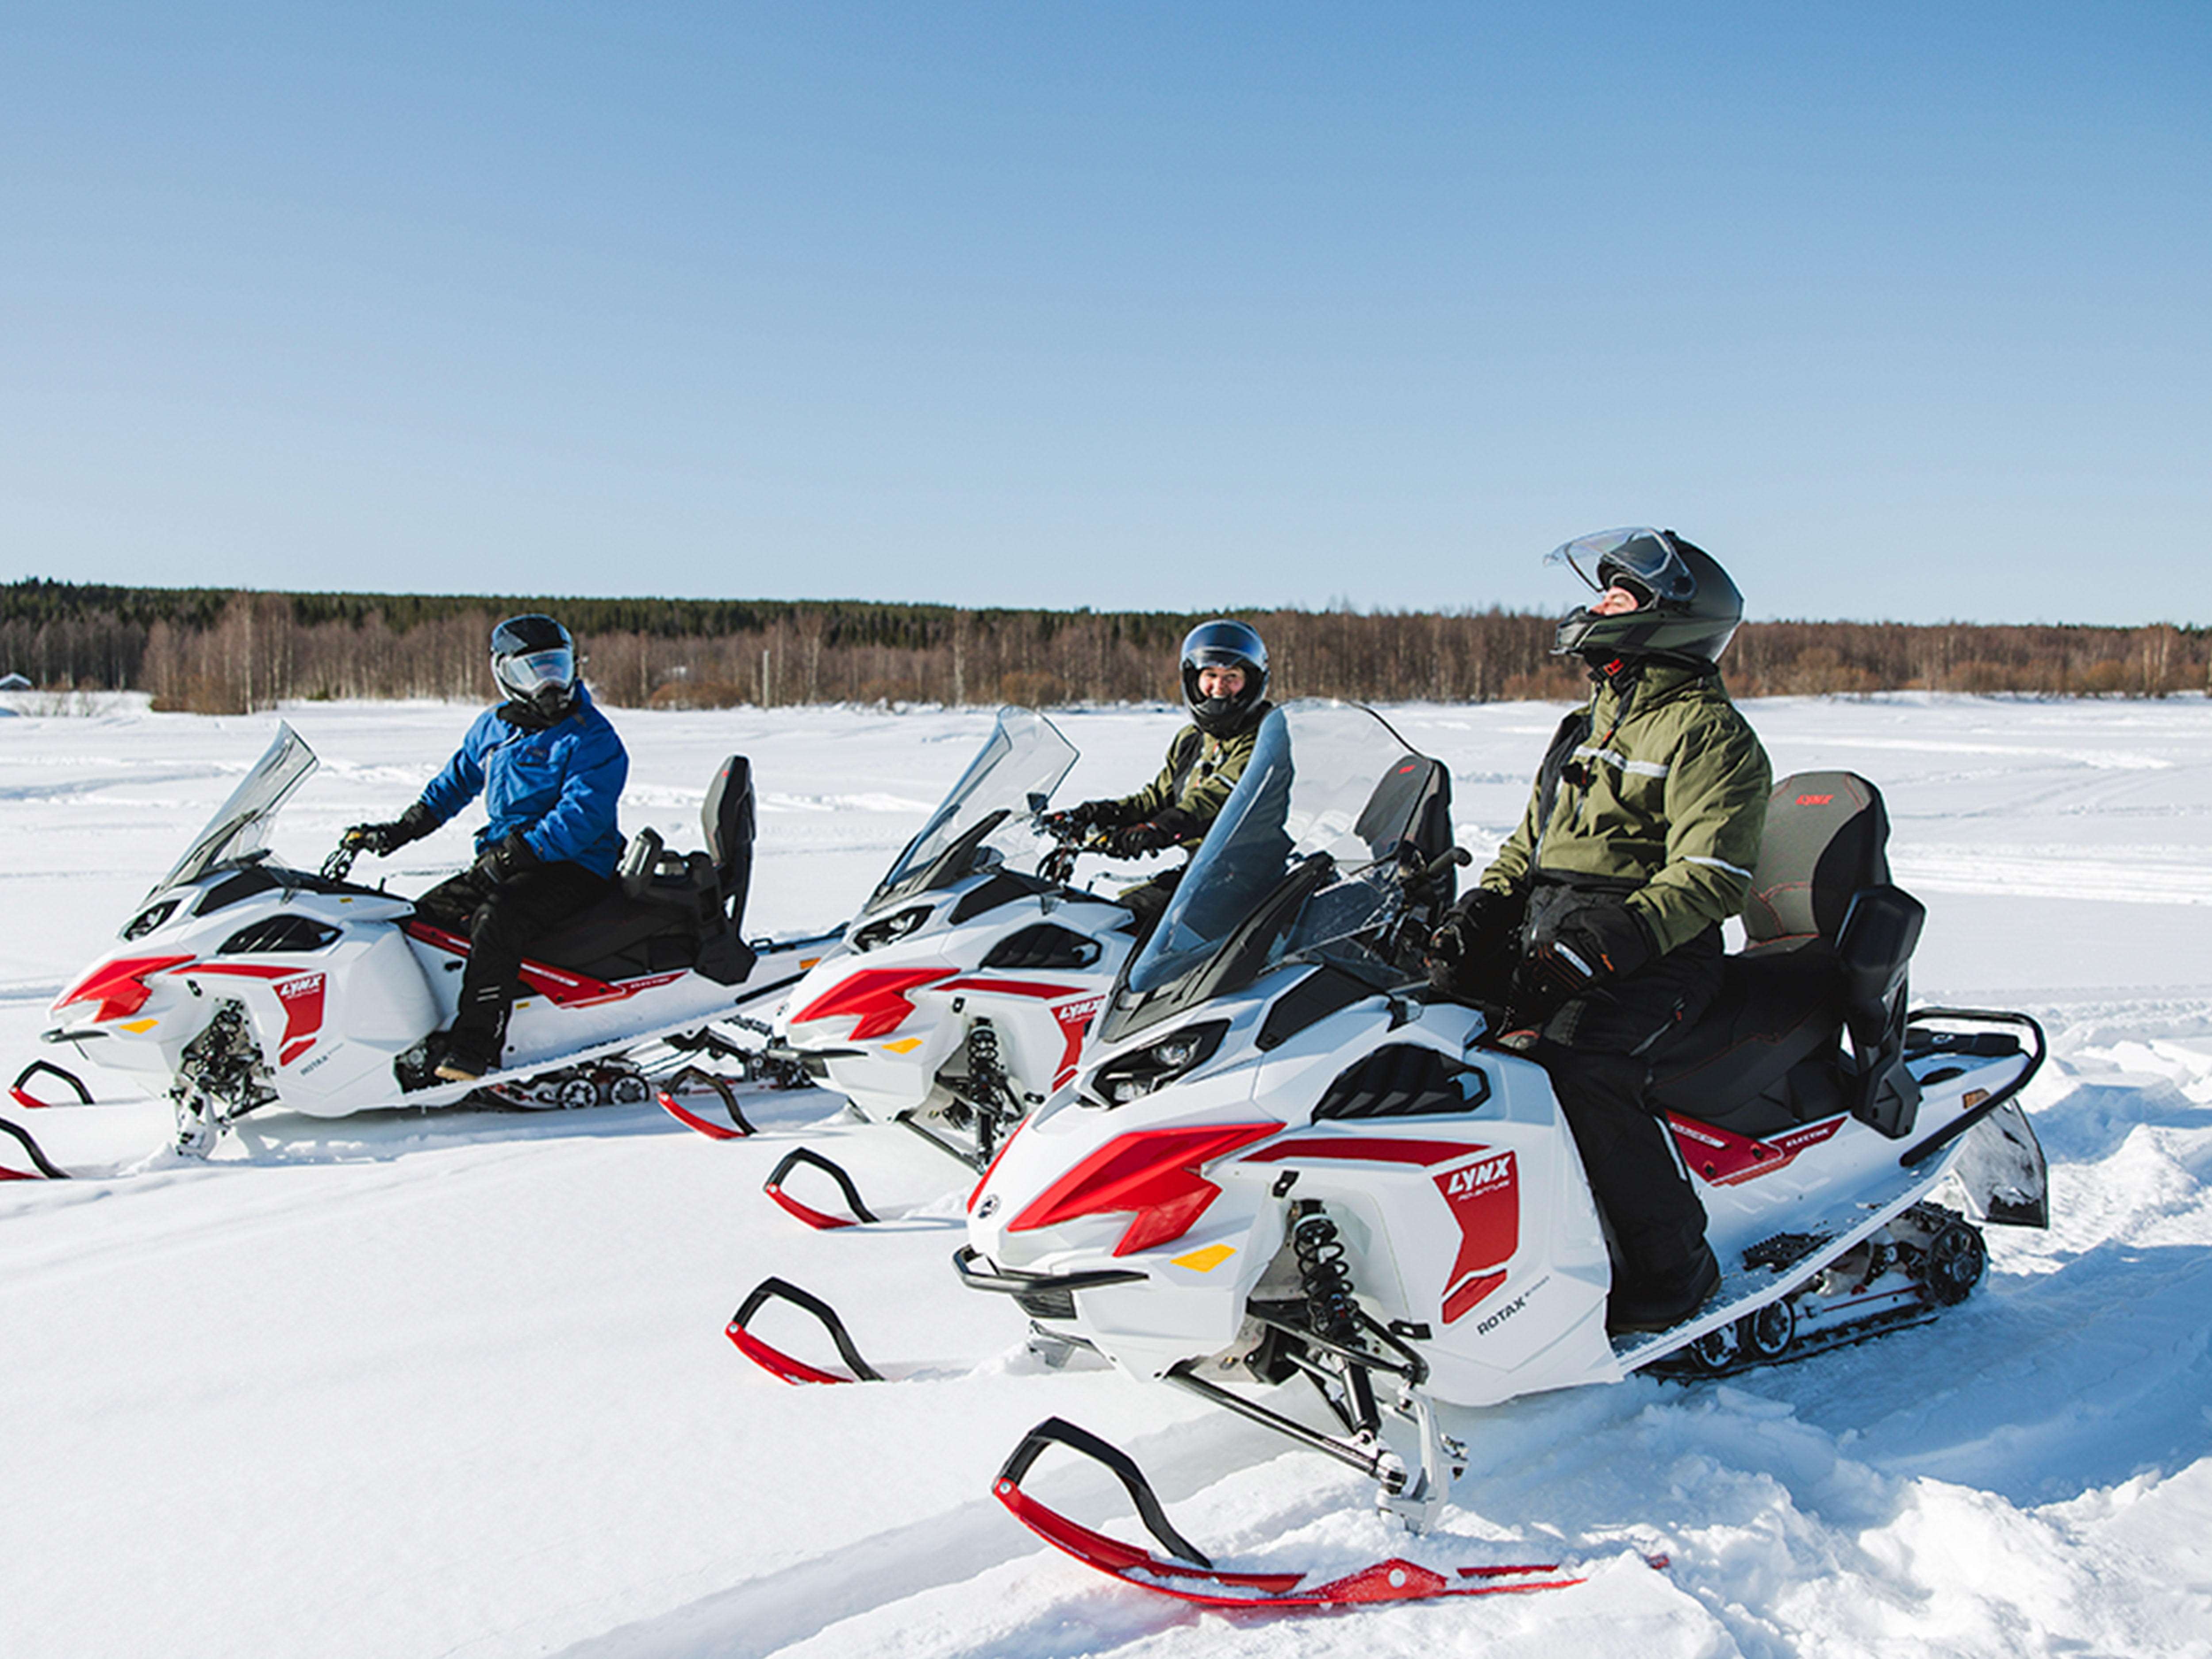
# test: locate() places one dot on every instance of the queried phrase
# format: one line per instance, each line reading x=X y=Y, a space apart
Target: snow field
x=456 y=1383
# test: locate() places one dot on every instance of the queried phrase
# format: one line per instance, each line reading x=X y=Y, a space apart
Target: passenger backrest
x=1827 y=836
x=727 y=821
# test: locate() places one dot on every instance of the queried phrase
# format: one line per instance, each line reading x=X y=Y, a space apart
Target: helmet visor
x=529 y=673
x=1641 y=558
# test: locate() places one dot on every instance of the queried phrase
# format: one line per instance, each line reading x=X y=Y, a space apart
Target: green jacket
x=1200 y=773
x=1657 y=791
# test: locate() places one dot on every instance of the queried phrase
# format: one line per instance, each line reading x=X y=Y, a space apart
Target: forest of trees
x=217 y=651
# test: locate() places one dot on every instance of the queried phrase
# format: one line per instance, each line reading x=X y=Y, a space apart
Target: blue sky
x=1904 y=310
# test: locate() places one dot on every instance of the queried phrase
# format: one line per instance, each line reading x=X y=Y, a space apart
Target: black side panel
x=1311 y=1000
x=1002 y=889
x=1046 y=945
x=1401 y=1080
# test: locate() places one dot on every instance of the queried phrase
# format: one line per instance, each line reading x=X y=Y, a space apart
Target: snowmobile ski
x=738 y=1127
x=774 y=1360
x=20 y=1088
x=820 y=1220
x=42 y=1167
x=1194 y=1578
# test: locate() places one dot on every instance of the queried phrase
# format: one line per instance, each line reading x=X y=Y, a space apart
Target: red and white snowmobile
x=242 y=985
x=960 y=994
x=1281 y=1158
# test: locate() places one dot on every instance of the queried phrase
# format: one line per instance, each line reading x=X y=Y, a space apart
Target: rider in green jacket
x=1596 y=928
x=1224 y=685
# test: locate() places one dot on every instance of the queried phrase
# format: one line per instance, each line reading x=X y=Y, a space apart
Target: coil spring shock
x=994 y=1096
x=1327 y=1285
x=1327 y=1280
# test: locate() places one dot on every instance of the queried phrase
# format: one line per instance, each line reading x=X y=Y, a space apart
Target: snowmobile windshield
x=990 y=817
x=1303 y=866
x=239 y=831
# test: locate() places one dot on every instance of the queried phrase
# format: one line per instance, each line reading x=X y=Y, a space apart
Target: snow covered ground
x=456 y=1383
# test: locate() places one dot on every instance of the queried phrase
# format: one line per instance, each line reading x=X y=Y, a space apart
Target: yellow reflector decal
x=903 y=1044
x=140 y=1027
x=1205 y=1261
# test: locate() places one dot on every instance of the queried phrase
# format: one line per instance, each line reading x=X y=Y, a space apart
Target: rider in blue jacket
x=550 y=770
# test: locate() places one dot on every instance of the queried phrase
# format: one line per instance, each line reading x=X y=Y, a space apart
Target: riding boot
x=478 y=1035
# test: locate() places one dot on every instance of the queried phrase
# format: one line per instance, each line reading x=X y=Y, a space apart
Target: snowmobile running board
x=775 y=1362
x=1193 y=1578
x=820 y=1220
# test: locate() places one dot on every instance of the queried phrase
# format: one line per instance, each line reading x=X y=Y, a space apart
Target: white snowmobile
x=1283 y=1158
x=960 y=994
x=242 y=985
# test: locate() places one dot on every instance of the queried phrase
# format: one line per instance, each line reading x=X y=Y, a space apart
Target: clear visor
x=1642 y=555
x=527 y=675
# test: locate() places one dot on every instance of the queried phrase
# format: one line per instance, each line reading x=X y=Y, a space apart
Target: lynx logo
x=1477 y=1178
x=1816 y=800
x=1075 y=1019
x=1485 y=1200
x=303 y=1016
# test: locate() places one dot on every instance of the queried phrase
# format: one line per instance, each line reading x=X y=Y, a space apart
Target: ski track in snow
x=455 y=1383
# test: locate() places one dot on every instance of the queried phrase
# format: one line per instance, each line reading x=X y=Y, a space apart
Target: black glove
x=1472 y=950
x=1088 y=816
x=1158 y=833
x=505 y=858
x=385 y=839
x=1605 y=941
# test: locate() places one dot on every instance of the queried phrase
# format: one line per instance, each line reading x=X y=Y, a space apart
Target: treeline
x=216 y=651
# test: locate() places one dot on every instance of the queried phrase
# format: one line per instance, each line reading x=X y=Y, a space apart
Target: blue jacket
x=558 y=786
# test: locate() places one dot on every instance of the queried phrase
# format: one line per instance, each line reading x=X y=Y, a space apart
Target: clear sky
x=1903 y=310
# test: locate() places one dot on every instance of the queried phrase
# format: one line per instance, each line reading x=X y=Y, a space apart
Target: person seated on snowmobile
x=550 y=770
x=1224 y=685
x=1598 y=927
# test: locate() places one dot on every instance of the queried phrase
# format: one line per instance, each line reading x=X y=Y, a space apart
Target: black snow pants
x=1595 y=1048
x=503 y=920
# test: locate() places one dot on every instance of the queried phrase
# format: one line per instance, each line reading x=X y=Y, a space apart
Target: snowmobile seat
x=1827 y=939
x=727 y=820
x=670 y=910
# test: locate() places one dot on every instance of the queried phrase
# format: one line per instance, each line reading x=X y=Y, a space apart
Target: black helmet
x=1687 y=610
x=534 y=661
x=1225 y=644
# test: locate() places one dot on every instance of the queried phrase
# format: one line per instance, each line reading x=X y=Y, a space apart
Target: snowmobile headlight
x=1136 y=1074
x=878 y=933
x=149 y=919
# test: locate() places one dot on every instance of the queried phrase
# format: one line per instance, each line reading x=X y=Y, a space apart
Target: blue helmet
x=1225 y=644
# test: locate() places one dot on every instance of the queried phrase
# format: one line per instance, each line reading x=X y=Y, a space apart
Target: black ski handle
x=22 y=1098
x=720 y=1086
x=779 y=1290
x=797 y=1155
x=46 y=1167
x=1059 y=1432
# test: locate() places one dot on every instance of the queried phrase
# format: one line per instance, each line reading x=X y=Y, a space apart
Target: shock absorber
x=993 y=1096
x=1327 y=1282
